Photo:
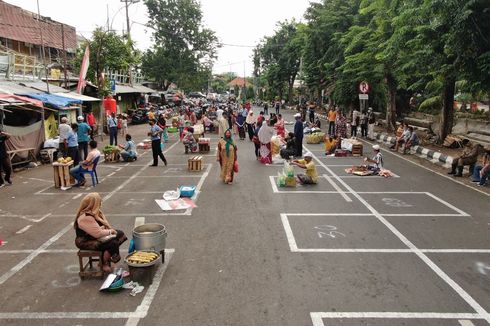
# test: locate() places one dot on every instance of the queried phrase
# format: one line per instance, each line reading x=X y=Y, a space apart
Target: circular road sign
x=364 y=87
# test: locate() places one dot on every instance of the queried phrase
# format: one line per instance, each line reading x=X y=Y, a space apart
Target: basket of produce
x=142 y=258
x=111 y=153
x=63 y=161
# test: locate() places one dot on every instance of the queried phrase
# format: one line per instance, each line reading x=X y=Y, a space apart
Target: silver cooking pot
x=151 y=236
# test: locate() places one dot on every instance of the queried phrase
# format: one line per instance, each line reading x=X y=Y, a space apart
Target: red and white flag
x=83 y=70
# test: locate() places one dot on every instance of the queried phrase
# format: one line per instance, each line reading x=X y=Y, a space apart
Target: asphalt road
x=408 y=250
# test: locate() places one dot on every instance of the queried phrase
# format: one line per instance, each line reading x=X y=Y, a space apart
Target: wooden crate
x=357 y=150
x=62 y=177
x=204 y=148
x=195 y=163
x=111 y=157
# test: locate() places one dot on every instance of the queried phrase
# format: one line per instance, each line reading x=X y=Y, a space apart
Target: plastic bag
x=288 y=170
x=281 y=180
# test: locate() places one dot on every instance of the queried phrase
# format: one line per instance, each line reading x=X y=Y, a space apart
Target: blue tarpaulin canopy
x=54 y=101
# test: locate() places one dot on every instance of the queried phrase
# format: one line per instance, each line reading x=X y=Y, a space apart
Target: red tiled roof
x=239 y=81
x=22 y=25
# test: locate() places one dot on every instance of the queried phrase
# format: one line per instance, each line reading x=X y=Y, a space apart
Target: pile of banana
x=142 y=257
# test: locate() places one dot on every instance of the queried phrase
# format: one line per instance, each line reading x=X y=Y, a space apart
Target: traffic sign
x=364 y=87
x=113 y=85
x=363 y=96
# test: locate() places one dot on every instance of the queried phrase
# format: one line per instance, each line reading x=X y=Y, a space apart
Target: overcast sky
x=242 y=22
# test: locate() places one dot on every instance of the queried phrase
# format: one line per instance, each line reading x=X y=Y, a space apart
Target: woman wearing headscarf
x=279 y=125
x=93 y=231
x=265 y=136
x=341 y=125
x=250 y=121
x=240 y=123
x=227 y=157
x=162 y=123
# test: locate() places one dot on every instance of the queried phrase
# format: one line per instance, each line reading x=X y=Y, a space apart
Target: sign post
x=364 y=88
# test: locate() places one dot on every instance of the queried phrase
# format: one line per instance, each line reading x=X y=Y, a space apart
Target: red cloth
x=91 y=120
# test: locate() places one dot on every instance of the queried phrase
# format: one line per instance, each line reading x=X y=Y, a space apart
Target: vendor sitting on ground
x=377 y=160
x=289 y=150
x=93 y=231
x=311 y=176
x=189 y=141
x=77 y=172
x=331 y=144
x=128 y=152
x=469 y=157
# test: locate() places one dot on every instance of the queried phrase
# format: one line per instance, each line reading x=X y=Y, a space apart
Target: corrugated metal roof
x=14 y=88
x=126 y=89
x=41 y=86
x=144 y=89
x=21 y=25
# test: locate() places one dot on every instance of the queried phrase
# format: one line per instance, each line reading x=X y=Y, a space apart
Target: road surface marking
x=24 y=229
x=436 y=269
x=447 y=204
x=316 y=317
x=336 y=187
x=438 y=173
x=289 y=233
x=140 y=220
x=466 y=323
x=34 y=254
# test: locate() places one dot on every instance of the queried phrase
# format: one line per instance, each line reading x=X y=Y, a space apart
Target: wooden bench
x=87 y=269
x=31 y=157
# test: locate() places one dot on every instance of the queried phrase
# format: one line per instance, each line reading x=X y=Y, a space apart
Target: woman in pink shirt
x=95 y=233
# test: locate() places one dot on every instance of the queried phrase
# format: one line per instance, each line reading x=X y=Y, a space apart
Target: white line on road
x=140 y=220
x=289 y=233
x=24 y=229
x=336 y=187
x=34 y=254
x=465 y=323
x=436 y=269
x=316 y=317
x=77 y=196
x=131 y=178
x=144 y=307
x=447 y=204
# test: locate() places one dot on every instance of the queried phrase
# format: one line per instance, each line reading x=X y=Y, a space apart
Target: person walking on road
x=364 y=124
x=266 y=108
x=371 y=120
x=83 y=137
x=72 y=143
x=227 y=157
x=63 y=131
x=355 y=123
x=5 y=166
x=223 y=125
x=298 y=135
x=250 y=121
x=112 y=125
x=265 y=136
x=332 y=115
x=156 y=147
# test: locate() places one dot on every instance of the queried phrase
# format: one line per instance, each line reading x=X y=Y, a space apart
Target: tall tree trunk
x=447 y=113
x=391 y=102
x=290 y=92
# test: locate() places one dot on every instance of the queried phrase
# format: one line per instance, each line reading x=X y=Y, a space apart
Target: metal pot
x=150 y=236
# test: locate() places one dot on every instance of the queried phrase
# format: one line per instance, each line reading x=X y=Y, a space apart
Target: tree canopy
x=430 y=49
x=183 y=49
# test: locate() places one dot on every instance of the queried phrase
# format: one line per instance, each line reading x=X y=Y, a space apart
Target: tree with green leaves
x=278 y=57
x=184 y=49
x=108 y=51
